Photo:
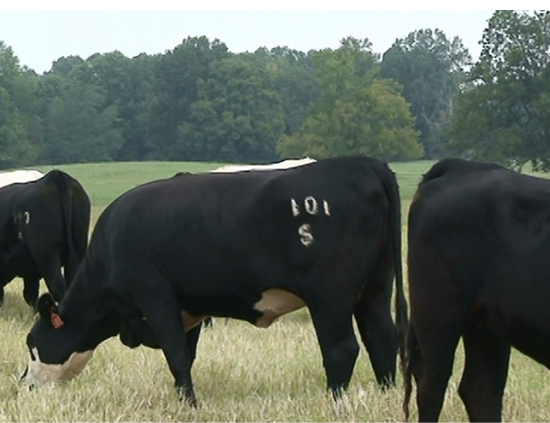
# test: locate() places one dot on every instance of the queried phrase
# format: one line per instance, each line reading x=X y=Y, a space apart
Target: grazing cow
x=8 y=178
x=247 y=245
x=43 y=226
x=479 y=243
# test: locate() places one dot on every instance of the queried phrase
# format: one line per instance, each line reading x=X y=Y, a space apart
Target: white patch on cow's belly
x=275 y=303
x=39 y=373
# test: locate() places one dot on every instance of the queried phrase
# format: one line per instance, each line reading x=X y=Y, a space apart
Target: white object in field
x=285 y=164
x=8 y=178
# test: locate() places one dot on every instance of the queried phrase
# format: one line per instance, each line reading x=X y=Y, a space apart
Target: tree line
x=422 y=98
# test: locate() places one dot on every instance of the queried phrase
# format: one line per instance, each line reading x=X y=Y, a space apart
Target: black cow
x=479 y=245
x=250 y=245
x=43 y=227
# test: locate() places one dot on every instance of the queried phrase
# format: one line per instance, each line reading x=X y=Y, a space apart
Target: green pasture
x=242 y=373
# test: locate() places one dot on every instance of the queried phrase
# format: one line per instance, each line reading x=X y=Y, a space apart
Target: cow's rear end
x=479 y=242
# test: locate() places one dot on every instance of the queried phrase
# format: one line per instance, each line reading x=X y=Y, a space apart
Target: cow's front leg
x=50 y=267
x=163 y=314
x=4 y=280
x=30 y=290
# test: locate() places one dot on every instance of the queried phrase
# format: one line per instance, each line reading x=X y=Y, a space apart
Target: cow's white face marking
x=275 y=303
x=27 y=217
x=39 y=373
x=306 y=236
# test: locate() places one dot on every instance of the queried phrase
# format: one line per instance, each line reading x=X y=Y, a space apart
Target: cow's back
x=252 y=230
x=460 y=202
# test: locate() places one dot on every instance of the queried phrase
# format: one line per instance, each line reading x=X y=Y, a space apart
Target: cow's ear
x=47 y=308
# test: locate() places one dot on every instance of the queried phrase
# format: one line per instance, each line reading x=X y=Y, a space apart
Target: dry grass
x=241 y=374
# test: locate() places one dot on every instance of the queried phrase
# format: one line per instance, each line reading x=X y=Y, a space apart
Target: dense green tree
x=431 y=68
x=127 y=85
x=19 y=126
x=356 y=113
x=64 y=65
x=174 y=91
x=237 y=117
x=78 y=126
x=295 y=83
x=509 y=95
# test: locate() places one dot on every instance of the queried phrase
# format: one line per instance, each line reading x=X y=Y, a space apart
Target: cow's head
x=54 y=347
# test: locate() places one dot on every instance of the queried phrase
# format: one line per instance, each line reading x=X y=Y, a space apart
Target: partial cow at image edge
x=478 y=248
x=44 y=227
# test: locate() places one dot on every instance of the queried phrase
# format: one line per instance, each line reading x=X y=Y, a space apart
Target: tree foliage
x=430 y=67
x=237 y=115
x=355 y=113
x=504 y=114
x=199 y=101
x=18 y=108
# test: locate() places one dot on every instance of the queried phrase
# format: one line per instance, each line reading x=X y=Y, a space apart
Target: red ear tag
x=56 y=320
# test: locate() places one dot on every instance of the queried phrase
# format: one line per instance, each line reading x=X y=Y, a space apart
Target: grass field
x=241 y=374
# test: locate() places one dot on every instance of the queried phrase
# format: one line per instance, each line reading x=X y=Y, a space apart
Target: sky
x=39 y=37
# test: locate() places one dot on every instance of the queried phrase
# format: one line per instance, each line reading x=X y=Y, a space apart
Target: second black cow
x=248 y=245
x=44 y=227
x=479 y=245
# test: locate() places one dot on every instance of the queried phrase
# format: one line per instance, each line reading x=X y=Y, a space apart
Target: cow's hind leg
x=339 y=346
x=485 y=373
x=438 y=351
x=375 y=324
x=30 y=290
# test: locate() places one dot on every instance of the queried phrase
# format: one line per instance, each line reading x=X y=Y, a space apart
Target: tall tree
x=431 y=68
x=295 y=82
x=355 y=113
x=237 y=117
x=175 y=90
x=510 y=93
x=79 y=127
x=20 y=127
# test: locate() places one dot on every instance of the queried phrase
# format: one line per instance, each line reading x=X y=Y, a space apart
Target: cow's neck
x=87 y=306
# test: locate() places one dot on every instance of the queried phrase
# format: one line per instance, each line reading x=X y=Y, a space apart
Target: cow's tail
x=411 y=358
x=75 y=221
x=81 y=207
x=389 y=181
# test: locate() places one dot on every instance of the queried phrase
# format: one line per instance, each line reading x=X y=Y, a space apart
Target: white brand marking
x=295 y=208
x=325 y=207
x=306 y=237
x=27 y=217
x=311 y=205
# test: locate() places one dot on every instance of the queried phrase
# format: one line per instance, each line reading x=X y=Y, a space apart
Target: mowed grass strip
x=242 y=373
